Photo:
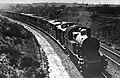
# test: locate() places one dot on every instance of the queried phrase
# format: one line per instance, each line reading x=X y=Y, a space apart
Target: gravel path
x=113 y=69
x=56 y=69
x=60 y=64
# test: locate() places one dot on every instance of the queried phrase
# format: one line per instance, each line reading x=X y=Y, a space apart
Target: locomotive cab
x=81 y=36
x=61 y=30
x=70 y=41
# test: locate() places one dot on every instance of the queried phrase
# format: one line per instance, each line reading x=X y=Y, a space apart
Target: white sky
x=66 y=1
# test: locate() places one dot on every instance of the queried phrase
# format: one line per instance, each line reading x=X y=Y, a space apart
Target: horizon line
x=56 y=2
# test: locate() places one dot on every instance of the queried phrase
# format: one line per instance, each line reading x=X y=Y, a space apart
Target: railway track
x=110 y=55
x=104 y=50
x=104 y=75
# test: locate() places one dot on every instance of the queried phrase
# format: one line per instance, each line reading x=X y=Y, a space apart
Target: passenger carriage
x=53 y=27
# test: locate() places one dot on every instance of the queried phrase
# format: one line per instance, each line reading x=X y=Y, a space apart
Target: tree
x=62 y=6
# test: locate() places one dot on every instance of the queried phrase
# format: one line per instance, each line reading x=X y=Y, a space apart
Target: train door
x=62 y=37
x=41 y=22
x=59 y=35
x=54 y=31
x=50 y=29
x=45 y=26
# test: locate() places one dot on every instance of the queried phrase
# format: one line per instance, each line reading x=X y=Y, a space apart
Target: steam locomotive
x=84 y=51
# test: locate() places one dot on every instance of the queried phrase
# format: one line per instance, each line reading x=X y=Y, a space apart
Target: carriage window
x=57 y=24
x=64 y=26
x=83 y=33
x=75 y=34
x=67 y=25
x=70 y=23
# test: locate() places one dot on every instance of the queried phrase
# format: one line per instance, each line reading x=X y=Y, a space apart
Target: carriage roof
x=54 y=22
x=65 y=25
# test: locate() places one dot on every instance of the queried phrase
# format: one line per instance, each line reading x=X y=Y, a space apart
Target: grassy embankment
x=19 y=56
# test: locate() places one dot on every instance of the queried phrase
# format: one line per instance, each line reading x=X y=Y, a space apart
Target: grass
x=19 y=53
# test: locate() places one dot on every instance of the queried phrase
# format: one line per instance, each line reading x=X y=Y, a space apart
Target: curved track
x=68 y=65
x=103 y=75
x=102 y=49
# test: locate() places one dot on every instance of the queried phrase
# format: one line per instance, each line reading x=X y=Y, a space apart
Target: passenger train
x=84 y=51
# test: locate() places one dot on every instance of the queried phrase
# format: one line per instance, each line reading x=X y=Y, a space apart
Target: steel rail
x=61 y=46
x=110 y=55
x=115 y=52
